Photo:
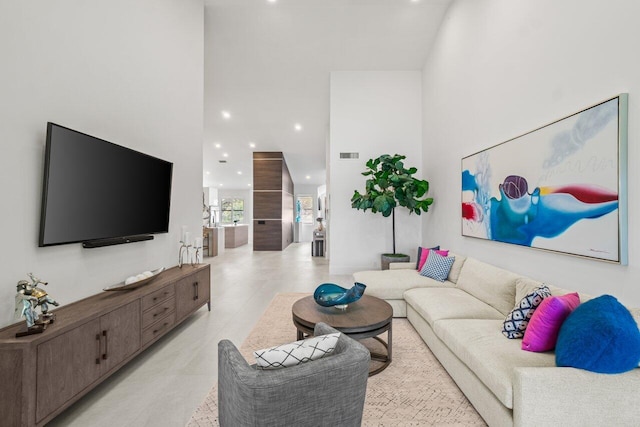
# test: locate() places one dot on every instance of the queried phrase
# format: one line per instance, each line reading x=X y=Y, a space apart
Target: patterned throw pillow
x=295 y=353
x=437 y=267
x=516 y=322
x=425 y=255
x=420 y=249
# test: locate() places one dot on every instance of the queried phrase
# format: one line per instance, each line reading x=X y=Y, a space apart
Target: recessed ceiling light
x=217 y=145
x=308 y=177
x=226 y=115
x=225 y=155
x=297 y=127
x=239 y=172
x=220 y=185
x=248 y=185
x=252 y=144
x=208 y=173
x=272 y=1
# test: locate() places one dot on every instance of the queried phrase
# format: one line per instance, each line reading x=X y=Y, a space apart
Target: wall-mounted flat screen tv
x=100 y=193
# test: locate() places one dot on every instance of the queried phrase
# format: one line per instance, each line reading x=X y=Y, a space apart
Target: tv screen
x=95 y=190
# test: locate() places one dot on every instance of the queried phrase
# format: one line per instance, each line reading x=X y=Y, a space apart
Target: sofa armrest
x=574 y=397
x=402 y=265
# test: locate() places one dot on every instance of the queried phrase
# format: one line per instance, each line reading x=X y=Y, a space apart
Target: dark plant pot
x=385 y=259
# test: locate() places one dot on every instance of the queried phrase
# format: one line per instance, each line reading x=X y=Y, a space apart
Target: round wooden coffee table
x=366 y=318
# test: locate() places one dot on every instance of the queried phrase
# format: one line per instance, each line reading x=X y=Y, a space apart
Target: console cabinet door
x=67 y=364
x=120 y=330
x=192 y=292
x=70 y=362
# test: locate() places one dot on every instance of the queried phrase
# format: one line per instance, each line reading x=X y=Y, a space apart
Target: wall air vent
x=348 y=156
x=222 y=161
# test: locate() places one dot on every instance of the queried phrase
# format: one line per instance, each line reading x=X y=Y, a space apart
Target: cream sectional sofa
x=461 y=322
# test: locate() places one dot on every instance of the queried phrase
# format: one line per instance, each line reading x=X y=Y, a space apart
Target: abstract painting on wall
x=561 y=187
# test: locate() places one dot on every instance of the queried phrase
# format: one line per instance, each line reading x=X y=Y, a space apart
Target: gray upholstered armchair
x=323 y=392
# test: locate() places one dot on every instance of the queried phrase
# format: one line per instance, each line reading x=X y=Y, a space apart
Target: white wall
x=304 y=232
x=321 y=194
x=128 y=72
x=499 y=69
x=372 y=113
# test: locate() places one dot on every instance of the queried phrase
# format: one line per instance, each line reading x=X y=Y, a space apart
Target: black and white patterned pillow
x=517 y=320
x=295 y=353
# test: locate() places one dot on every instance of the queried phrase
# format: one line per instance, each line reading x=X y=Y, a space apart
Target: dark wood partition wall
x=272 y=202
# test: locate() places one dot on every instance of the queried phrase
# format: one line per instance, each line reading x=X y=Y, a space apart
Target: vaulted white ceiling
x=268 y=65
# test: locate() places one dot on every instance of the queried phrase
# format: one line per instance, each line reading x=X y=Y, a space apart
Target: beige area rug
x=414 y=390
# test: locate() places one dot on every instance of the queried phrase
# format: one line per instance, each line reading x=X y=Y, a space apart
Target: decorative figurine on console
x=28 y=297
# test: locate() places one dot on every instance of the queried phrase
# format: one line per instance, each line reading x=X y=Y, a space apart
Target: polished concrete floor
x=165 y=384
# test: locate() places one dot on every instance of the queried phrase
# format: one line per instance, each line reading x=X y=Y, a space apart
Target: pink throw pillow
x=425 y=254
x=544 y=326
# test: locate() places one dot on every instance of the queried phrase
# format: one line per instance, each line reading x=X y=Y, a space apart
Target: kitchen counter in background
x=236 y=235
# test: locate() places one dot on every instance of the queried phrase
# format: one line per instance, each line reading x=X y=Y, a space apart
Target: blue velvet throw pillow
x=599 y=336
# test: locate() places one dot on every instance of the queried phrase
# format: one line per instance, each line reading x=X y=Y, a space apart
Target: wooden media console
x=91 y=339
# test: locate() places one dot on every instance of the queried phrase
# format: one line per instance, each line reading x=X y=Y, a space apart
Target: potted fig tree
x=389 y=185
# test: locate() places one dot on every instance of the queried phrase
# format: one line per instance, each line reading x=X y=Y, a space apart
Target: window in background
x=304 y=209
x=232 y=210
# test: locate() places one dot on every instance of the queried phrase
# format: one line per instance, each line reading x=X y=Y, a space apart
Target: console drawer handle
x=98 y=347
x=161 y=328
x=165 y=293
x=163 y=311
x=106 y=340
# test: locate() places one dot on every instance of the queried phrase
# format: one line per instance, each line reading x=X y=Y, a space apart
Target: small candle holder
x=196 y=258
x=183 y=253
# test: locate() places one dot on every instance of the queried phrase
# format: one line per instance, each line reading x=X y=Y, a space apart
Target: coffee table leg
x=389 y=342
x=300 y=334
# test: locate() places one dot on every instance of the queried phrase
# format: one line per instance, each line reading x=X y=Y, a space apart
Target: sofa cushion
x=480 y=345
x=490 y=284
x=600 y=336
x=448 y=303
x=391 y=284
x=400 y=266
x=454 y=274
x=525 y=285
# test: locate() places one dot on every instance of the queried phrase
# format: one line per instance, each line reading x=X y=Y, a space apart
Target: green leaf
x=380 y=204
x=421 y=188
